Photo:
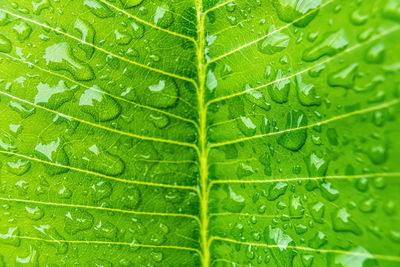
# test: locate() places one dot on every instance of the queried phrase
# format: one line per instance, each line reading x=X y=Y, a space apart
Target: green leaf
x=199 y=133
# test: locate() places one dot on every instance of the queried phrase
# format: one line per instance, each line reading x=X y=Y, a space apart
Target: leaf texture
x=199 y=133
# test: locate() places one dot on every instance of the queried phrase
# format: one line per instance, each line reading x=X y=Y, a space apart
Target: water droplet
x=276 y=190
x=368 y=205
x=53 y=152
x=266 y=161
x=392 y=10
x=86 y=30
x=23 y=109
x=136 y=30
x=332 y=44
x=131 y=198
x=257 y=98
x=101 y=263
x=35 y=213
x=211 y=80
x=390 y=207
x=98 y=8
x=7 y=143
x=296 y=208
x=358 y=257
x=317 y=211
x=163 y=16
x=279 y=91
x=50 y=233
x=307 y=260
x=317 y=164
x=53 y=96
x=159 y=94
x=376 y=54
x=275 y=236
x=131 y=3
x=344 y=77
x=3 y=18
x=77 y=220
x=101 y=190
x=122 y=38
x=273 y=43
x=18 y=166
x=105 y=230
x=300 y=228
x=246 y=126
x=244 y=170
x=38 y=7
x=318 y=240
x=5 y=44
x=379 y=183
x=342 y=222
x=378 y=154
x=159 y=120
x=306 y=93
x=59 y=57
x=99 y=105
x=23 y=31
x=63 y=192
x=11 y=237
x=157 y=256
x=290 y=10
x=89 y=155
x=233 y=202
x=366 y=34
x=357 y=18
x=294 y=139
x=328 y=192
x=316 y=71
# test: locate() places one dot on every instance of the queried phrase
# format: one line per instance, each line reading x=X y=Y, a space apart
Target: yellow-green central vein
x=202 y=144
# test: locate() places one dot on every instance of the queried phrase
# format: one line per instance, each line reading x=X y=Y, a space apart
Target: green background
x=199 y=133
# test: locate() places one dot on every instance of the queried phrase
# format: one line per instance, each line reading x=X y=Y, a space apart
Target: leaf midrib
x=202 y=144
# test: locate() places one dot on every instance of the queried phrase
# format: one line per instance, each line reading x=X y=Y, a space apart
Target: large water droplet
x=276 y=190
x=233 y=202
x=18 y=166
x=290 y=10
x=59 y=57
x=275 y=236
x=5 y=44
x=344 y=77
x=53 y=96
x=294 y=139
x=163 y=16
x=306 y=93
x=274 y=42
x=86 y=30
x=53 y=152
x=279 y=91
x=77 y=220
x=332 y=44
x=98 y=8
x=131 y=3
x=376 y=54
x=99 y=105
x=343 y=222
x=23 y=31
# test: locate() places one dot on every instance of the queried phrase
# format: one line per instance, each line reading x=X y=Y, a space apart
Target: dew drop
x=294 y=139
x=5 y=44
x=77 y=220
x=273 y=43
x=59 y=57
x=99 y=105
x=332 y=44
